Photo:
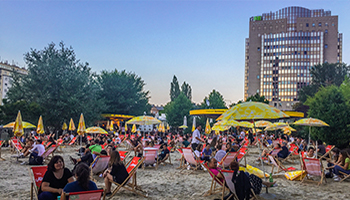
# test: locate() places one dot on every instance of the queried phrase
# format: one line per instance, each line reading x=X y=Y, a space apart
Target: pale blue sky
x=201 y=42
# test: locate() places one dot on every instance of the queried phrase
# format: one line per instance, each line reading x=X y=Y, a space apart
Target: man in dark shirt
x=164 y=155
x=321 y=149
x=284 y=151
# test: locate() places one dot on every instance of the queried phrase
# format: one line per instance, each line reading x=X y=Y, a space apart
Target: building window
x=326 y=46
x=326 y=24
x=313 y=24
x=332 y=24
x=258 y=48
x=319 y=24
x=326 y=31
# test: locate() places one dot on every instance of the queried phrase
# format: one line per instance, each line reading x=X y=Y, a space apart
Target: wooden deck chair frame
x=130 y=186
x=34 y=186
x=321 y=174
x=154 y=156
x=86 y=195
x=276 y=163
x=327 y=153
x=188 y=158
x=290 y=155
x=182 y=160
x=123 y=157
x=216 y=186
x=99 y=169
x=345 y=176
x=229 y=157
x=0 y=151
x=15 y=146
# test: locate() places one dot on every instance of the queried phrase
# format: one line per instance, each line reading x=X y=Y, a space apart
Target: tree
x=329 y=105
x=177 y=109
x=215 y=100
x=257 y=98
x=174 y=89
x=187 y=90
x=324 y=75
x=60 y=84
x=123 y=93
x=30 y=111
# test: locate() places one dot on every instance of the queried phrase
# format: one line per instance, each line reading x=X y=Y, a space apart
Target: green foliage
x=174 y=89
x=187 y=90
x=123 y=93
x=257 y=98
x=177 y=109
x=30 y=111
x=60 y=84
x=215 y=99
x=324 y=75
x=329 y=105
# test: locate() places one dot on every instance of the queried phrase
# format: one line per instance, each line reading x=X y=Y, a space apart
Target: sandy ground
x=168 y=183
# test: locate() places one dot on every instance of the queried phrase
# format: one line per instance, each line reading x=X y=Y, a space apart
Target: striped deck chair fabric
x=72 y=141
x=150 y=157
x=227 y=159
x=192 y=163
x=86 y=195
x=100 y=164
x=37 y=175
x=16 y=145
x=123 y=155
x=314 y=167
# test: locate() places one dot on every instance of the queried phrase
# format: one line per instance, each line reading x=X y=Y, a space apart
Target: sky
x=200 y=42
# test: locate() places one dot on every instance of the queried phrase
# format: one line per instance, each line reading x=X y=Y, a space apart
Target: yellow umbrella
x=96 y=130
x=256 y=130
x=262 y=123
x=167 y=127
x=133 y=130
x=64 y=126
x=233 y=123
x=310 y=122
x=111 y=128
x=183 y=126
x=40 y=128
x=246 y=124
x=71 y=125
x=288 y=130
x=220 y=128
x=253 y=110
x=207 y=127
x=275 y=126
x=24 y=124
x=126 y=127
x=160 y=128
x=108 y=126
x=18 y=128
x=143 y=120
x=81 y=126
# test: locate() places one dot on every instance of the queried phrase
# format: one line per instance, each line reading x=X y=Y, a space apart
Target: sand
x=168 y=183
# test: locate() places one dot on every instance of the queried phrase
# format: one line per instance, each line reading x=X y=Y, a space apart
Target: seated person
x=335 y=157
x=229 y=148
x=266 y=152
x=87 y=158
x=29 y=145
x=284 y=152
x=198 y=151
x=185 y=142
x=206 y=153
x=82 y=183
x=55 y=179
x=220 y=153
x=95 y=148
x=116 y=172
x=36 y=154
x=310 y=153
x=343 y=165
x=321 y=149
x=303 y=146
x=213 y=167
x=164 y=155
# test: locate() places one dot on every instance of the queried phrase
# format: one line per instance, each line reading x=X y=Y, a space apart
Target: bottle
x=59 y=197
x=270 y=178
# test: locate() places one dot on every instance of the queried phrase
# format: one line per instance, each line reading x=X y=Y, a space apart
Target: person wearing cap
x=284 y=151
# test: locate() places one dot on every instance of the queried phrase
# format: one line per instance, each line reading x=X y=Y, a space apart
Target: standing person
x=55 y=179
x=196 y=137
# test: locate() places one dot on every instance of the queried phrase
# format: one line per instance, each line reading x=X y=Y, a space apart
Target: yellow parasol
x=220 y=128
x=96 y=130
x=276 y=126
x=253 y=110
x=288 y=130
x=246 y=124
x=40 y=128
x=194 y=124
x=262 y=123
x=167 y=127
x=233 y=123
x=64 y=126
x=18 y=128
x=310 y=122
x=108 y=126
x=133 y=130
x=111 y=128
x=207 y=127
x=183 y=126
x=81 y=126
x=71 y=125
x=24 y=124
x=143 y=120
x=126 y=127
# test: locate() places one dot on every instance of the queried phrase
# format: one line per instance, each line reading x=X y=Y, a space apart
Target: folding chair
x=0 y=150
x=86 y=195
x=280 y=167
x=36 y=175
x=150 y=157
x=48 y=154
x=16 y=146
x=99 y=164
x=227 y=159
x=345 y=176
x=293 y=151
x=314 y=167
x=242 y=152
x=328 y=150
x=71 y=143
x=123 y=155
x=189 y=157
x=217 y=186
x=131 y=168
x=182 y=160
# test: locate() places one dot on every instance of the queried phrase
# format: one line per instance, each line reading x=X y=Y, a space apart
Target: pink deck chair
x=217 y=185
x=37 y=175
x=150 y=157
x=227 y=159
x=192 y=163
x=86 y=195
x=99 y=165
x=313 y=167
x=48 y=153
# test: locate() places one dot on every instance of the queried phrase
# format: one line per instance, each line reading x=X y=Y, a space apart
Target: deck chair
x=16 y=146
x=328 y=150
x=217 y=186
x=131 y=168
x=242 y=152
x=99 y=164
x=169 y=157
x=36 y=175
x=314 y=167
x=293 y=151
x=123 y=155
x=48 y=154
x=345 y=176
x=189 y=157
x=86 y=195
x=280 y=167
x=182 y=160
x=0 y=150
x=227 y=159
x=150 y=157
x=71 y=143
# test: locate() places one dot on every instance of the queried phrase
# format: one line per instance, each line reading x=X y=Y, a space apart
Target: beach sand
x=168 y=182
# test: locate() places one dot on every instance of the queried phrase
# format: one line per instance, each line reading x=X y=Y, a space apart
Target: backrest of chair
x=38 y=174
x=228 y=179
x=100 y=164
x=73 y=140
x=157 y=146
x=230 y=156
x=328 y=147
x=86 y=195
x=48 y=144
x=16 y=144
x=123 y=154
x=188 y=155
x=132 y=166
x=150 y=155
x=312 y=166
x=180 y=151
x=294 y=150
x=275 y=152
x=273 y=161
x=242 y=151
x=205 y=165
x=59 y=142
x=48 y=151
x=0 y=143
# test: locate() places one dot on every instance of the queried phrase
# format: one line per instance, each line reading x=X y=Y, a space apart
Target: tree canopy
x=177 y=109
x=214 y=100
x=174 y=89
x=187 y=90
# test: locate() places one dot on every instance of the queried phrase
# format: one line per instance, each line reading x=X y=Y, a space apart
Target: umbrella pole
x=309 y=136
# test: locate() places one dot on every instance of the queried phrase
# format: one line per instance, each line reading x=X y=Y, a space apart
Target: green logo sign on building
x=257 y=18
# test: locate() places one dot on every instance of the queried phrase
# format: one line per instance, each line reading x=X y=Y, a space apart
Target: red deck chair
x=227 y=159
x=182 y=160
x=189 y=156
x=242 y=152
x=72 y=141
x=280 y=167
x=37 y=175
x=123 y=155
x=314 y=167
x=217 y=185
x=86 y=195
